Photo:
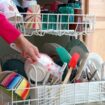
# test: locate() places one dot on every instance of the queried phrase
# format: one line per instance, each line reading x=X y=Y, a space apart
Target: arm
x=10 y=34
x=28 y=49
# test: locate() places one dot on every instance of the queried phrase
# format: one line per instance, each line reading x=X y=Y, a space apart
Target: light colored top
x=17 y=3
x=26 y=3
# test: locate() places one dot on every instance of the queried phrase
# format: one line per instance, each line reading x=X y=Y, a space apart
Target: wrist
x=20 y=42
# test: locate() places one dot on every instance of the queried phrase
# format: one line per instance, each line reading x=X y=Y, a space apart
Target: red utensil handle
x=72 y=64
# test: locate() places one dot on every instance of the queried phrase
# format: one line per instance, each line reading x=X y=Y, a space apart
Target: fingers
x=30 y=60
x=36 y=52
x=33 y=54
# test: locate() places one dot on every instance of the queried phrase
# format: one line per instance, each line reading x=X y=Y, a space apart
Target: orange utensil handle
x=0 y=69
x=68 y=75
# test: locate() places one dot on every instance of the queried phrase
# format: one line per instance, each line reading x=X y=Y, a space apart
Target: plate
x=93 y=62
x=13 y=63
x=97 y=61
x=79 y=50
x=50 y=49
x=75 y=45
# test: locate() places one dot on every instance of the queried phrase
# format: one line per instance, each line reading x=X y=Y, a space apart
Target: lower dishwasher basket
x=68 y=94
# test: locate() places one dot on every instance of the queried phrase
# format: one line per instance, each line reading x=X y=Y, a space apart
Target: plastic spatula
x=58 y=50
x=63 y=54
x=72 y=64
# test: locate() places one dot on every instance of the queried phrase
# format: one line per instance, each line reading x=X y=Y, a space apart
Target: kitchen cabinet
x=96 y=41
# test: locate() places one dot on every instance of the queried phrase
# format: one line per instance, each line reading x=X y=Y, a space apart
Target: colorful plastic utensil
x=54 y=49
x=63 y=54
x=72 y=64
x=14 y=81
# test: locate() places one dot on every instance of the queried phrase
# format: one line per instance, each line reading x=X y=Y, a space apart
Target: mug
x=37 y=72
x=67 y=12
x=49 y=20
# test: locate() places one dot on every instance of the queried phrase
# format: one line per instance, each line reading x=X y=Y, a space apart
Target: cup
x=67 y=12
x=78 y=20
x=35 y=72
x=38 y=71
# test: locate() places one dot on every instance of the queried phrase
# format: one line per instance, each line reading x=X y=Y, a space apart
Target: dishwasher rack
x=67 y=94
x=55 y=24
x=70 y=94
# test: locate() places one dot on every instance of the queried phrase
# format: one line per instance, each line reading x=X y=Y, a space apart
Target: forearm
x=27 y=49
x=20 y=41
x=10 y=34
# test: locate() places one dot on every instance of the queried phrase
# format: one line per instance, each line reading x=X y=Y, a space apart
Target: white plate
x=95 y=60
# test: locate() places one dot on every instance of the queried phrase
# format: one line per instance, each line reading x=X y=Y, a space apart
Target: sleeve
x=7 y=31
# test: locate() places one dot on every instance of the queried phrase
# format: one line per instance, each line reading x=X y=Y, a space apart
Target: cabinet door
x=97 y=7
x=96 y=41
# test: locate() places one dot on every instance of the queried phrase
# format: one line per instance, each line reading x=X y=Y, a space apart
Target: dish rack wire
x=63 y=94
x=67 y=94
x=70 y=94
x=56 y=24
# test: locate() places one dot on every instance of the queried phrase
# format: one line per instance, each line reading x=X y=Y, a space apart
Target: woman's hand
x=29 y=51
